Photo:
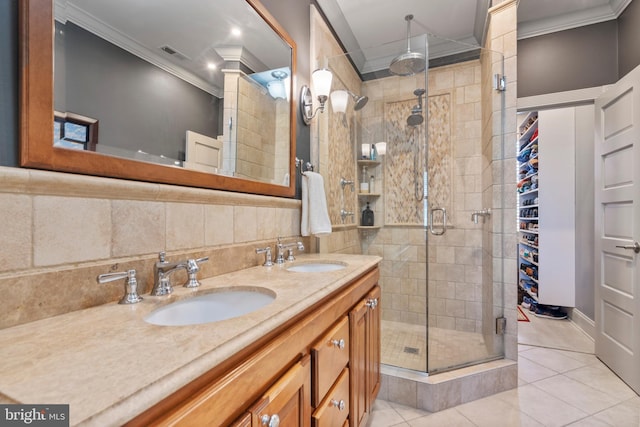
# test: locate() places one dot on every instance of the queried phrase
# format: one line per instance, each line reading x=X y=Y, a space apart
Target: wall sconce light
x=339 y=99
x=381 y=148
x=321 y=79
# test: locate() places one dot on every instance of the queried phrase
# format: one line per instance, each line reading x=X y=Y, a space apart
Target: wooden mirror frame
x=37 y=115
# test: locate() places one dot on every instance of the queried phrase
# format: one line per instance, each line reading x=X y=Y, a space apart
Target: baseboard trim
x=582 y=321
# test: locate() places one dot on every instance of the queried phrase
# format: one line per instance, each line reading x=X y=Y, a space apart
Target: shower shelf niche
x=371 y=198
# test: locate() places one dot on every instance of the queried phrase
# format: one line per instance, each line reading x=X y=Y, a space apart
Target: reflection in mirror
x=160 y=92
x=152 y=85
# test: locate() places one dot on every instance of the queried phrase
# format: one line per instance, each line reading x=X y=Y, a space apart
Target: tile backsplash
x=61 y=230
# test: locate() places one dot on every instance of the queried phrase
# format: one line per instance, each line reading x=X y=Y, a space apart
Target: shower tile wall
x=256 y=127
x=455 y=259
x=334 y=138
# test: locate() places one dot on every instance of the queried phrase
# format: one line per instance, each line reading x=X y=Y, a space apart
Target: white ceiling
x=372 y=31
x=458 y=25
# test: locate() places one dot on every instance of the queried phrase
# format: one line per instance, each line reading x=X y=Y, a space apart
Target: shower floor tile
x=404 y=345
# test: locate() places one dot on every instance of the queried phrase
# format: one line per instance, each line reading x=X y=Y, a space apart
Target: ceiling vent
x=174 y=53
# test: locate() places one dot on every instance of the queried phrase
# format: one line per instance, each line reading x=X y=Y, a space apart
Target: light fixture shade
x=339 y=99
x=322 y=82
x=280 y=87
x=381 y=148
x=276 y=89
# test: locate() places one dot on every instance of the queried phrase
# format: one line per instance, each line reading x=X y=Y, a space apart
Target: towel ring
x=302 y=166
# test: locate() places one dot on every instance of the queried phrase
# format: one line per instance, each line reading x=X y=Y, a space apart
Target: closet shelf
x=522 y=230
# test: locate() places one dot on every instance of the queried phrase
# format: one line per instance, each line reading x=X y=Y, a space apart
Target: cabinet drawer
x=329 y=355
x=334 y=409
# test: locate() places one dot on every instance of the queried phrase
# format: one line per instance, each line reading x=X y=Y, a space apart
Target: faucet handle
x=162 y=256
x=300 y=247
x=268 y=262
x=130 y=287
x=192 y=270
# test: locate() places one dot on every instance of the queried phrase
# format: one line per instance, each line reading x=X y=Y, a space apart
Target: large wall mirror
x=196 y=92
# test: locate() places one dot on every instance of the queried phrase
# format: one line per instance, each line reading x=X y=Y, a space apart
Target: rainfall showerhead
x=416 y=116
x=360 y=101
x=408 y=63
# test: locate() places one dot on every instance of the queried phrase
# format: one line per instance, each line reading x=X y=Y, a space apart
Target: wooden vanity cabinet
x=288 y=402
x=364 y=324
x=274 y=374
x=334 y=409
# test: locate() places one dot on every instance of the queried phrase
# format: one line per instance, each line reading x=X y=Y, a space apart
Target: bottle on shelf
x=367 y=217
x=371 y=184
x=364 y=181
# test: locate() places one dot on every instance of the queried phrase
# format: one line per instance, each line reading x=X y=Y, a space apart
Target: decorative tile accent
x=404 y=161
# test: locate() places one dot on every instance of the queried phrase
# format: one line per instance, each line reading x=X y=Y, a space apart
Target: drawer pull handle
x=338 y=343
x=372 y=302
x=270 y=421
x=338 y=404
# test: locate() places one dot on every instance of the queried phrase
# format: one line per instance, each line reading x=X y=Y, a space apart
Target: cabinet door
x=288 y=402
x=373 y=345
x=358 y=364
x=364 y=363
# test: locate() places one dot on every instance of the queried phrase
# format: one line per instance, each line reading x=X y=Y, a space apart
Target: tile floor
x=556 y=387
x=404 y=345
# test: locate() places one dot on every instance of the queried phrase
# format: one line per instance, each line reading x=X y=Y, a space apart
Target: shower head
x=408 y=63
x=416 y=116
x=360 y=101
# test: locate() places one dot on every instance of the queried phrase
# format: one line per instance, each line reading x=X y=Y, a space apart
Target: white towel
x=315 y=217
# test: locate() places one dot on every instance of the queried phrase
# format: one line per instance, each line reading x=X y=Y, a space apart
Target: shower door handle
x=444 y=222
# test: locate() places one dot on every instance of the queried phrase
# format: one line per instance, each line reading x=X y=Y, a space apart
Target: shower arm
x=408 y=18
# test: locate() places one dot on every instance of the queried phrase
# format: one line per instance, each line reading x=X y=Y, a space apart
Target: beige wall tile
x=244 y=224
x=218 y=225
x=138 y=227
x=185 y=225
x=68 y=230
x=16 y=235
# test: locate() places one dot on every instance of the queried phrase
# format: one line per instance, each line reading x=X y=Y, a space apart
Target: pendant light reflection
x=321 y=80
x=279 y=88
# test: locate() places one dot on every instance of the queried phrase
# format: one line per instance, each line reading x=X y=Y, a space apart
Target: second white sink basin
x=220 y=305
x=316 y=267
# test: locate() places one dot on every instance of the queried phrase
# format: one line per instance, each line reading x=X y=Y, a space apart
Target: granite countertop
x=109 y=365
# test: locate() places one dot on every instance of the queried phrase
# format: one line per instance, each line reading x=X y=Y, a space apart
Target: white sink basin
x=317 y=267
x=212 y=307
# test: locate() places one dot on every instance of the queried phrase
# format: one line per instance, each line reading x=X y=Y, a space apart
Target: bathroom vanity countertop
x=109 y=365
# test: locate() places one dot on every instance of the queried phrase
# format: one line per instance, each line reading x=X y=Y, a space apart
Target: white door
x=203 y=153
x=617 y=227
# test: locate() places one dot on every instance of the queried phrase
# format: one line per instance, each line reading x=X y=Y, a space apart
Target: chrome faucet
x=130 y=287
x=193 y=266
x=267 y=257
x=162 y=270
x=282 y=247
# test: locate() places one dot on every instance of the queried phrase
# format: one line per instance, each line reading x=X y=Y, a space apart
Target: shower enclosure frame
x=360 y=127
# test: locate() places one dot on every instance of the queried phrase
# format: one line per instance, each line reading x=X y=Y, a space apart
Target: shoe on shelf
x=550 y=312
x=526 y=302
